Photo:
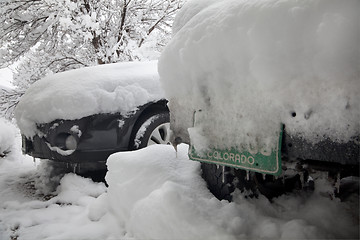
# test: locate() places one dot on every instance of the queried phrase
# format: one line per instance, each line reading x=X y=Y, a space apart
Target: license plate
x=259 y=161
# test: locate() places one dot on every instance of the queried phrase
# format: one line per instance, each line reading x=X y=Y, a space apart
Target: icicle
x=264 y=176
x=176 y=142
x=74 y=167
x=302 y=179
x=247 y=175
x=223 y=174
x=337 y=184
x=176 y=151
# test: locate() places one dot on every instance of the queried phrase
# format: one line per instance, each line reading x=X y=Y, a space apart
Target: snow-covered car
x=265 y=91
x=80 y=117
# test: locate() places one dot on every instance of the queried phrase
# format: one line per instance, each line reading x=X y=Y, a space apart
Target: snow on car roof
x=251 y=65
x=118 y=87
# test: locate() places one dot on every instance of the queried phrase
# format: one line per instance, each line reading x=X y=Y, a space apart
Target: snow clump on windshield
x=251 y=65
x=110 y=88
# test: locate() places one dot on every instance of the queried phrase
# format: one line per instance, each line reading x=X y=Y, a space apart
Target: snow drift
x=156 y=193
x=119 y=87
x=251 y=65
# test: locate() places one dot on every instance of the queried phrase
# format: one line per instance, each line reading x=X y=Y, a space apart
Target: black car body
x=101 y=135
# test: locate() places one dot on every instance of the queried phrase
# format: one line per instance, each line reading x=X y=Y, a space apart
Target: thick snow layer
x=155 y=193
x=119 y=87
x=6 y=77
x=253 y=64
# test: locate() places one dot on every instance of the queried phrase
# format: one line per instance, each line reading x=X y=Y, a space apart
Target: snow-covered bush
x=45 y=37
x=7 y=136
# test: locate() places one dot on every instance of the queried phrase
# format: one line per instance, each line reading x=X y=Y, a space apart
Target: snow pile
x=119 y=87
x=62 y=217
x=6 y=77
x=30 y=210
x=7 y=136
x=251 y=65
x=155 y=194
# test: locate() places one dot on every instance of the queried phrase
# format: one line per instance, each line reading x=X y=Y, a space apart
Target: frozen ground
x=154 y=193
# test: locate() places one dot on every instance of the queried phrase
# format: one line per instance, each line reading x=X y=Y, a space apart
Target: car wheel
x=222 y=181
x=151 y=129
x=219 y=181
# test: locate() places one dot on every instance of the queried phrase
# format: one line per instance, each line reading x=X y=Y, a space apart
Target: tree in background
x=49 y=36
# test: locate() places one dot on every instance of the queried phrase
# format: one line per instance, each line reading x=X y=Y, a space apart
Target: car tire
x=153 y=128
x=219 y=180
x=222 y=181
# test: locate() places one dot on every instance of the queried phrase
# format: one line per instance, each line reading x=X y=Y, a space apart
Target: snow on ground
x=34 y=206
x=251 y=65
x=6 y=77
x=155 y=193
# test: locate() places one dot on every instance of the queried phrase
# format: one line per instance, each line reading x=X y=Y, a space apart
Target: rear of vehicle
x=266 y=91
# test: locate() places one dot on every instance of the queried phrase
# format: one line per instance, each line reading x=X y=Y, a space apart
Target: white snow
x=142 y=130
x=6 y=77
x=250 y=65
x=155 y=193
x=119 y=87
x=75 y=129
x=7 y=136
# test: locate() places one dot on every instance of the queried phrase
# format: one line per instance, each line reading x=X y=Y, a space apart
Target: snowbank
x=155 y=193
x=7 y=136
x=251 y=65
x=62 y=217
x=119 y=87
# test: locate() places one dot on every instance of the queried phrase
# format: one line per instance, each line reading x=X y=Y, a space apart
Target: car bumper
x=39 y=148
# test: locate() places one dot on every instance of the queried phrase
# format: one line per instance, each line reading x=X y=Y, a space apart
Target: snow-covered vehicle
x=82 y=116
x=266 y=92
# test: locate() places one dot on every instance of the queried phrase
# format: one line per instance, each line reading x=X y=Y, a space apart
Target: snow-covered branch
x=48 y=36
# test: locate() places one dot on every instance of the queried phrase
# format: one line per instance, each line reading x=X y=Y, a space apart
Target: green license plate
x=261 y=161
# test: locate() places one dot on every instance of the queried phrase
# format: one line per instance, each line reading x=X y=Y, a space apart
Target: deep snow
x=251 y=65
x=155 y=193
